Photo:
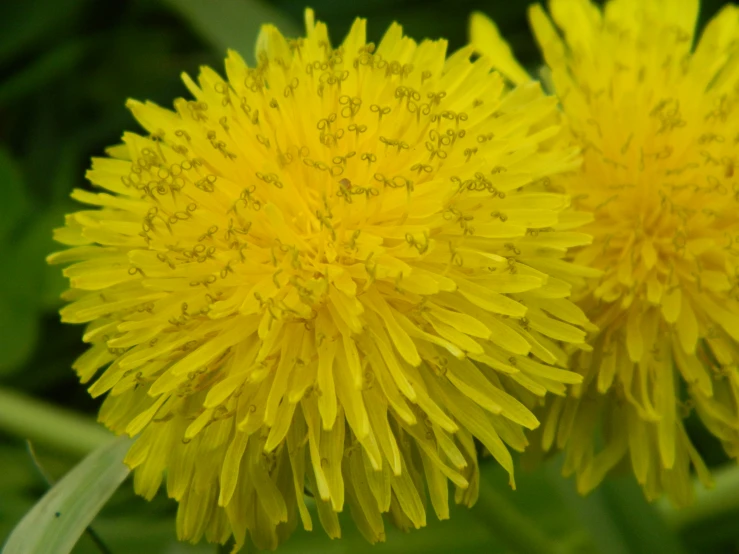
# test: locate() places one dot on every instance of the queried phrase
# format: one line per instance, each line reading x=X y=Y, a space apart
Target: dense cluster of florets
x=330 y=272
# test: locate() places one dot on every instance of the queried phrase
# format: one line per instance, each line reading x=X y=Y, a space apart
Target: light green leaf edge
x=232 y=24
x=56 y=522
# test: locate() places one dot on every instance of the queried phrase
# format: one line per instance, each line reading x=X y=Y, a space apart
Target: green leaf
x=20 y=333
x=232 y=24
x=14 y=201
x=712 y=518
x=57 y=62
x=519 y=532
x=17 y=313
x=592 y=512
x=28 y=24
x=642 y=526
x=47 y=424
x=56 y=522
x=31 y=285
x=617 y=516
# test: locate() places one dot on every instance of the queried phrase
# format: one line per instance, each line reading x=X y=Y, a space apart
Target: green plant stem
x=709 y=504
x=519 y=533
x=42 y=423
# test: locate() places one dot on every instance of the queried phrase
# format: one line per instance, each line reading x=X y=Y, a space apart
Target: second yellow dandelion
x=658 y=122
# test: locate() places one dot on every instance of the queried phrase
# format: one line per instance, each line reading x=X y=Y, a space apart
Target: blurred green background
x=67 y=68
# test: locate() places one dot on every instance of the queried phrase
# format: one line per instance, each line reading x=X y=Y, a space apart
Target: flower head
x=329 y=273
x=658 y=120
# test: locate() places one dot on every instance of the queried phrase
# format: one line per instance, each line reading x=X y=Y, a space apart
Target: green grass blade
x=57 y=521
x=46 y=424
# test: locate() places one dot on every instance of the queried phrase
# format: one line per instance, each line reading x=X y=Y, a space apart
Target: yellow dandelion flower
x=658 y=120
x=329 y=273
